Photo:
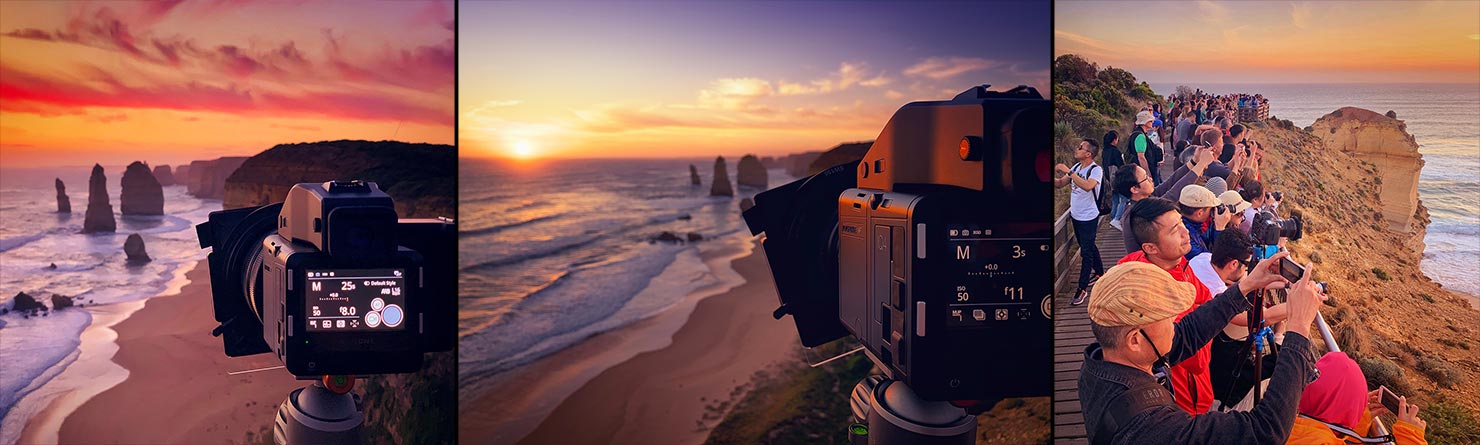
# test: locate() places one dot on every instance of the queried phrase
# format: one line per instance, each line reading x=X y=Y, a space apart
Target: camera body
x=332 y=281
x=933 y=250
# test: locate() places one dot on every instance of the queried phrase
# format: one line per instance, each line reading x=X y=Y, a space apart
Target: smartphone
x=1389 y=400
x=1291 y=271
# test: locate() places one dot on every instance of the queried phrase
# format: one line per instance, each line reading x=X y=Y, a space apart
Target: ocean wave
x=555 y=249
x=502 y=227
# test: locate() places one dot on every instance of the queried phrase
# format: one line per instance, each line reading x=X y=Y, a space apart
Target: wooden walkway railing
x=1071 y=327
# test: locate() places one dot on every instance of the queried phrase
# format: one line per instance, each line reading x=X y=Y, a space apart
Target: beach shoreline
x=543 y=401
x=176 y=389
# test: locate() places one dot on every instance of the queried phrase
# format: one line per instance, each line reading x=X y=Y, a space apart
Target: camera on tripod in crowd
x=332 y=281
x=933 y=250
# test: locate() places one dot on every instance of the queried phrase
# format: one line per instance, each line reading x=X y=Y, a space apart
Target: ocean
x=1445 y=120
x=93 y=267
x=554 y=253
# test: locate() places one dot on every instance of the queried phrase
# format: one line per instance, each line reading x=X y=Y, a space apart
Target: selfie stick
x=887 y=411
x=315 y=414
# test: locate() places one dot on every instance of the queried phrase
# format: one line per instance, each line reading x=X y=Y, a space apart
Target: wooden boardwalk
x=1071 y=334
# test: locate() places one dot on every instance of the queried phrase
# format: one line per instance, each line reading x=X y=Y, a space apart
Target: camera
x=332 y=281
x=933 y=250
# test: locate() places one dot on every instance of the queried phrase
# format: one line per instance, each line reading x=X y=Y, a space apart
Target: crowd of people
x=1175 y=354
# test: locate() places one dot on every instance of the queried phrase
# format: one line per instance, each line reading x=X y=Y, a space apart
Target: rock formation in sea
x=721 y=186
x=746 y=204
x=141 y=194
x=1385 y=142
x=99 y=216
x=208 y=178
x=841 y=154
x=64 y=204
x=163 y=175
x=694 y=175
x=750 y=173
x=133 y=247
x=421 y=178
x=24 y=302
x=59 y=302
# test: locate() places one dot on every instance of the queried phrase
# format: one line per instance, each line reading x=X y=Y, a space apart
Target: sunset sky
x=697 y=79
x=173 y=81
x=1265 y=42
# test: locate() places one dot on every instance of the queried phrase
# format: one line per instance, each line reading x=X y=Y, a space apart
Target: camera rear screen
x=355 y=300
x=996 y=277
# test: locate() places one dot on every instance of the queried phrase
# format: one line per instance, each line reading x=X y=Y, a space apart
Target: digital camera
x=933 y=250
x=332 y=281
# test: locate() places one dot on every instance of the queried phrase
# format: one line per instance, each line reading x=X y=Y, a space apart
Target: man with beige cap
x=1131 y=312
x=1142 y=147
x=1197 y=205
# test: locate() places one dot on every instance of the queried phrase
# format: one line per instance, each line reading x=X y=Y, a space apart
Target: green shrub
x=1450 y=423
x=1383 y=372
x=1439 y=370
x=1381 y=274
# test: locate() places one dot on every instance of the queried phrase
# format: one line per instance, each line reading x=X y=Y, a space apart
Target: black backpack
x=1104 y=198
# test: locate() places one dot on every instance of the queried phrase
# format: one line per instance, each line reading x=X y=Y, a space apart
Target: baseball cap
x=1136 y=293
x=1197 y=196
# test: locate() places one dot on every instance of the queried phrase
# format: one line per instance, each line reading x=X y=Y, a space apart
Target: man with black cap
x=1131 y=313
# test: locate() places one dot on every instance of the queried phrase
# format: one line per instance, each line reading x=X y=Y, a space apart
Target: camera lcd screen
x=997 y=278
x=355 y=300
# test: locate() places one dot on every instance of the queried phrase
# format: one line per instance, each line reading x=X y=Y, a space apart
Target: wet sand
x=671 y=394
x=177 y=390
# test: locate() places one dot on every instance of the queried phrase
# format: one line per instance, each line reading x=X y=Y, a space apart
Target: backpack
x=1153 y=151
x=1104 y=198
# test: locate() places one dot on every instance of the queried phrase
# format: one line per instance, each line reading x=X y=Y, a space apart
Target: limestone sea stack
x=182 y=175
x=64 y=204
x=134 y=248
x=163 y=175
x=750 y=173
x=208 y=178
x=142 y=194
x=721 y=186
x=694 y=175
x=99 y=217
x=1385 y=142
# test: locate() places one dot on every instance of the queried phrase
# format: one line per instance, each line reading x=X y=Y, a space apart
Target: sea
x=557 y=251
x=33 y=237
x=1445 y=120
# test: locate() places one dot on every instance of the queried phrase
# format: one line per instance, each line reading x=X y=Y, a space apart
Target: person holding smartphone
x=1337 y=408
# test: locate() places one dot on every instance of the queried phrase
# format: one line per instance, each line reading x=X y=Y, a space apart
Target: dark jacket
x=1104 y=384
x=1202 y=240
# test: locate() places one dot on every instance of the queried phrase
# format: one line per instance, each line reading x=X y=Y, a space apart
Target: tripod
x=887 y=411
x=324 y=412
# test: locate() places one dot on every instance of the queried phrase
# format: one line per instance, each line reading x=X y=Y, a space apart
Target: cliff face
x=208 y=178
x=1383 y=308
x=99 y=216
x=141 y=194
x=421 y=178
x=1384 y=142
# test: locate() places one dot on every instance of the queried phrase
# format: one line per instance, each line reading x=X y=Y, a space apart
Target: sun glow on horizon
x=523 y=150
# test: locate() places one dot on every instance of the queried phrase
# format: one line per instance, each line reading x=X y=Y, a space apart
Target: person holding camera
x=1132 y=314
x=1230 y=369
x=1337 y=409
x=1198 y=206
x=1253 y=193
x=1086 y=176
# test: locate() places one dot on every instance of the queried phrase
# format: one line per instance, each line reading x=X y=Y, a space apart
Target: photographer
x=1253 y=193
x=1131 y=315
x=1231 y=371
x=1196 y=204
x=1086 y=177
x=1337 y=403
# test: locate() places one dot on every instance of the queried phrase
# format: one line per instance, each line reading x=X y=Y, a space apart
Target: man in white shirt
x=1086 y=177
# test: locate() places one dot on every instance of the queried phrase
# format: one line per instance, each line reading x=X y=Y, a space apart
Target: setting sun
x=523 y=150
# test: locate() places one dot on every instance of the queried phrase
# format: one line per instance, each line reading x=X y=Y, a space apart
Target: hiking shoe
x=1116 y=224
x=1079 y=297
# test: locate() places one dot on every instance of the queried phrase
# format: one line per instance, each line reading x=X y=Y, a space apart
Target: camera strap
x=1143 y=396
x=1352 y=435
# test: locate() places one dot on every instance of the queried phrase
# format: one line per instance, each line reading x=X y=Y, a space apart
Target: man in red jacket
x=1164 y=240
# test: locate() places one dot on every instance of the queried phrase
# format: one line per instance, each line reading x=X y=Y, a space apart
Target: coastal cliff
x=1384 y=142
x=207 y=179
x=421 y=178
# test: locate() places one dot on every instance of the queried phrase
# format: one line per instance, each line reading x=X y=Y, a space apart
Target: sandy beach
x=671 y=394
x=177 y=390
